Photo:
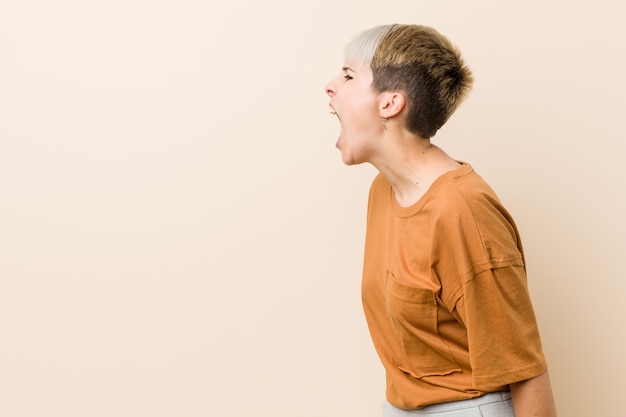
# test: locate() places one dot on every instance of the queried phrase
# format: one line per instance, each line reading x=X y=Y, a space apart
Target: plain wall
x=179 y=237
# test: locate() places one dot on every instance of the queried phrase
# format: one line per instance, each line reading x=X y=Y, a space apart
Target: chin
x=349 y=159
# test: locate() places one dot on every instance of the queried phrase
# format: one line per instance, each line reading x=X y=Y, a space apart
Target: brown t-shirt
x=445 y=294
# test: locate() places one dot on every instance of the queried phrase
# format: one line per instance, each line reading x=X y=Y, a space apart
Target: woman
x=444 y=284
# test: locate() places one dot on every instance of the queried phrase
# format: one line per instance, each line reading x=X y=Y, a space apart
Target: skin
x=411 y=164
x=533 y=397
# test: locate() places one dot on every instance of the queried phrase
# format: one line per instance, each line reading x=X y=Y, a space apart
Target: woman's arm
x=533 y=397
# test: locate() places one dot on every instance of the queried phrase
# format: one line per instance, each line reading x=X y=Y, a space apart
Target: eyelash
x=347 y=77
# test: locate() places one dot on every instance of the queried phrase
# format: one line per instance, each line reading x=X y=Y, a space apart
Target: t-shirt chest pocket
x=413 y=315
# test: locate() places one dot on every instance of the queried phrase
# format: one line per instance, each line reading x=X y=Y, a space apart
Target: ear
x=391 y=104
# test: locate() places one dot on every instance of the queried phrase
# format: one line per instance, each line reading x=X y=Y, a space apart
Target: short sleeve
x=503 y=337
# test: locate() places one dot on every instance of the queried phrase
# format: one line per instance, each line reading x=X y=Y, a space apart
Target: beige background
x=178 y=236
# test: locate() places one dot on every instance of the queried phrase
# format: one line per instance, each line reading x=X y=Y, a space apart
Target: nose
x=330 y=88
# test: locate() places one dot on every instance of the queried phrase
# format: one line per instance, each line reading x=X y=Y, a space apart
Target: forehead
x=357 y=67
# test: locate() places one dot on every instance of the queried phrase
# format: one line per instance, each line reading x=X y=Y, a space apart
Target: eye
x=347 y=77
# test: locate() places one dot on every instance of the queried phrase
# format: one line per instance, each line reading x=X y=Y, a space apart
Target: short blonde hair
x=422 y=64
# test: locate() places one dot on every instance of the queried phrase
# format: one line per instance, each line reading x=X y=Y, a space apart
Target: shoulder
x=466 y=207
x=464 y=192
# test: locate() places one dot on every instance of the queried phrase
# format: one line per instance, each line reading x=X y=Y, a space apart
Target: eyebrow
x=348 y=69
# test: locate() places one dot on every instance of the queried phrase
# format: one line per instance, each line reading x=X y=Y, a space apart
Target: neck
x=411 y=165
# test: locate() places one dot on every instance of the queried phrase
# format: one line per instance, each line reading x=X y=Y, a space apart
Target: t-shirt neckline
x=407 y=211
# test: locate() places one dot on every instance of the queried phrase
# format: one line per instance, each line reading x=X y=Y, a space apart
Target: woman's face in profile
x=354 y=102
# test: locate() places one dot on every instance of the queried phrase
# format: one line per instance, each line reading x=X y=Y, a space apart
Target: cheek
x=367 y=113
x=366 y=119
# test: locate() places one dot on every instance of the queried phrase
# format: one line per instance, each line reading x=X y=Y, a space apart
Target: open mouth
x=332 y=111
